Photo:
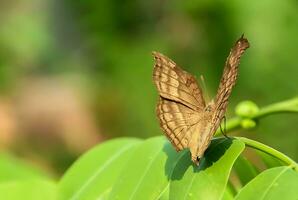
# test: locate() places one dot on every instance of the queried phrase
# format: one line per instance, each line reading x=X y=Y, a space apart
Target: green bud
x=246 y=109
x=248 y=124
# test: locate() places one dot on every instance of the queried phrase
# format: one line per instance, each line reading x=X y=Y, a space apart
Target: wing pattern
x=181 y=101
x=227 y=82
x=175 y=84
x=177 y=121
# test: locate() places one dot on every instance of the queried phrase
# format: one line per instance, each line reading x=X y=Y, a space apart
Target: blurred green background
x=76 y=73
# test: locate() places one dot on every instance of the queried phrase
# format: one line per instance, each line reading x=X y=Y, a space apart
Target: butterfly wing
x=178 y=122
x=176 y=84
x=228 y=81
x=181 y=103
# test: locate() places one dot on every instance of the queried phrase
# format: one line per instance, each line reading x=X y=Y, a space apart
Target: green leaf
x=245 y=170
x=147 y=174
x=29 y=190
x=228 y=194
x=209 y=180
x=275 y=183
x=165 y=194
x=231 y=186
x=93 y=175
x=15 y=169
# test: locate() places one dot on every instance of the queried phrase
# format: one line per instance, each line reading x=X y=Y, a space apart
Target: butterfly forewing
x=175 y=84
x=228 y=81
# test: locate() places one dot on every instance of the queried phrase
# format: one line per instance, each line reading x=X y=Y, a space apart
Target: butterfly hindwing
x=178 y=122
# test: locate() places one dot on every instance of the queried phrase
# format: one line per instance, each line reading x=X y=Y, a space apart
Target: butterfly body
x=184 y=117
x=201 y=138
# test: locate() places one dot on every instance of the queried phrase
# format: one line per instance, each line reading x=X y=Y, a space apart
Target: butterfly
x=185 y=118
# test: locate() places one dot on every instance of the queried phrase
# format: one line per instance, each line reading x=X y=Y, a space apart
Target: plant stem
x=269 y=150
x=287 y=106
x=290 y=105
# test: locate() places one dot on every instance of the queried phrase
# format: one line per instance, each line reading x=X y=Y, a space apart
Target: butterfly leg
x=224 y=131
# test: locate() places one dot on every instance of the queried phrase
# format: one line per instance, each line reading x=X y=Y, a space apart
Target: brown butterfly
x=184 y=117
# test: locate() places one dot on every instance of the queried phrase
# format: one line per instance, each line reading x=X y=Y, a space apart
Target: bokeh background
x=76 y=73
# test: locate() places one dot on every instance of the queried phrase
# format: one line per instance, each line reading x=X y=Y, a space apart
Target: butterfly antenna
x=204 y=87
